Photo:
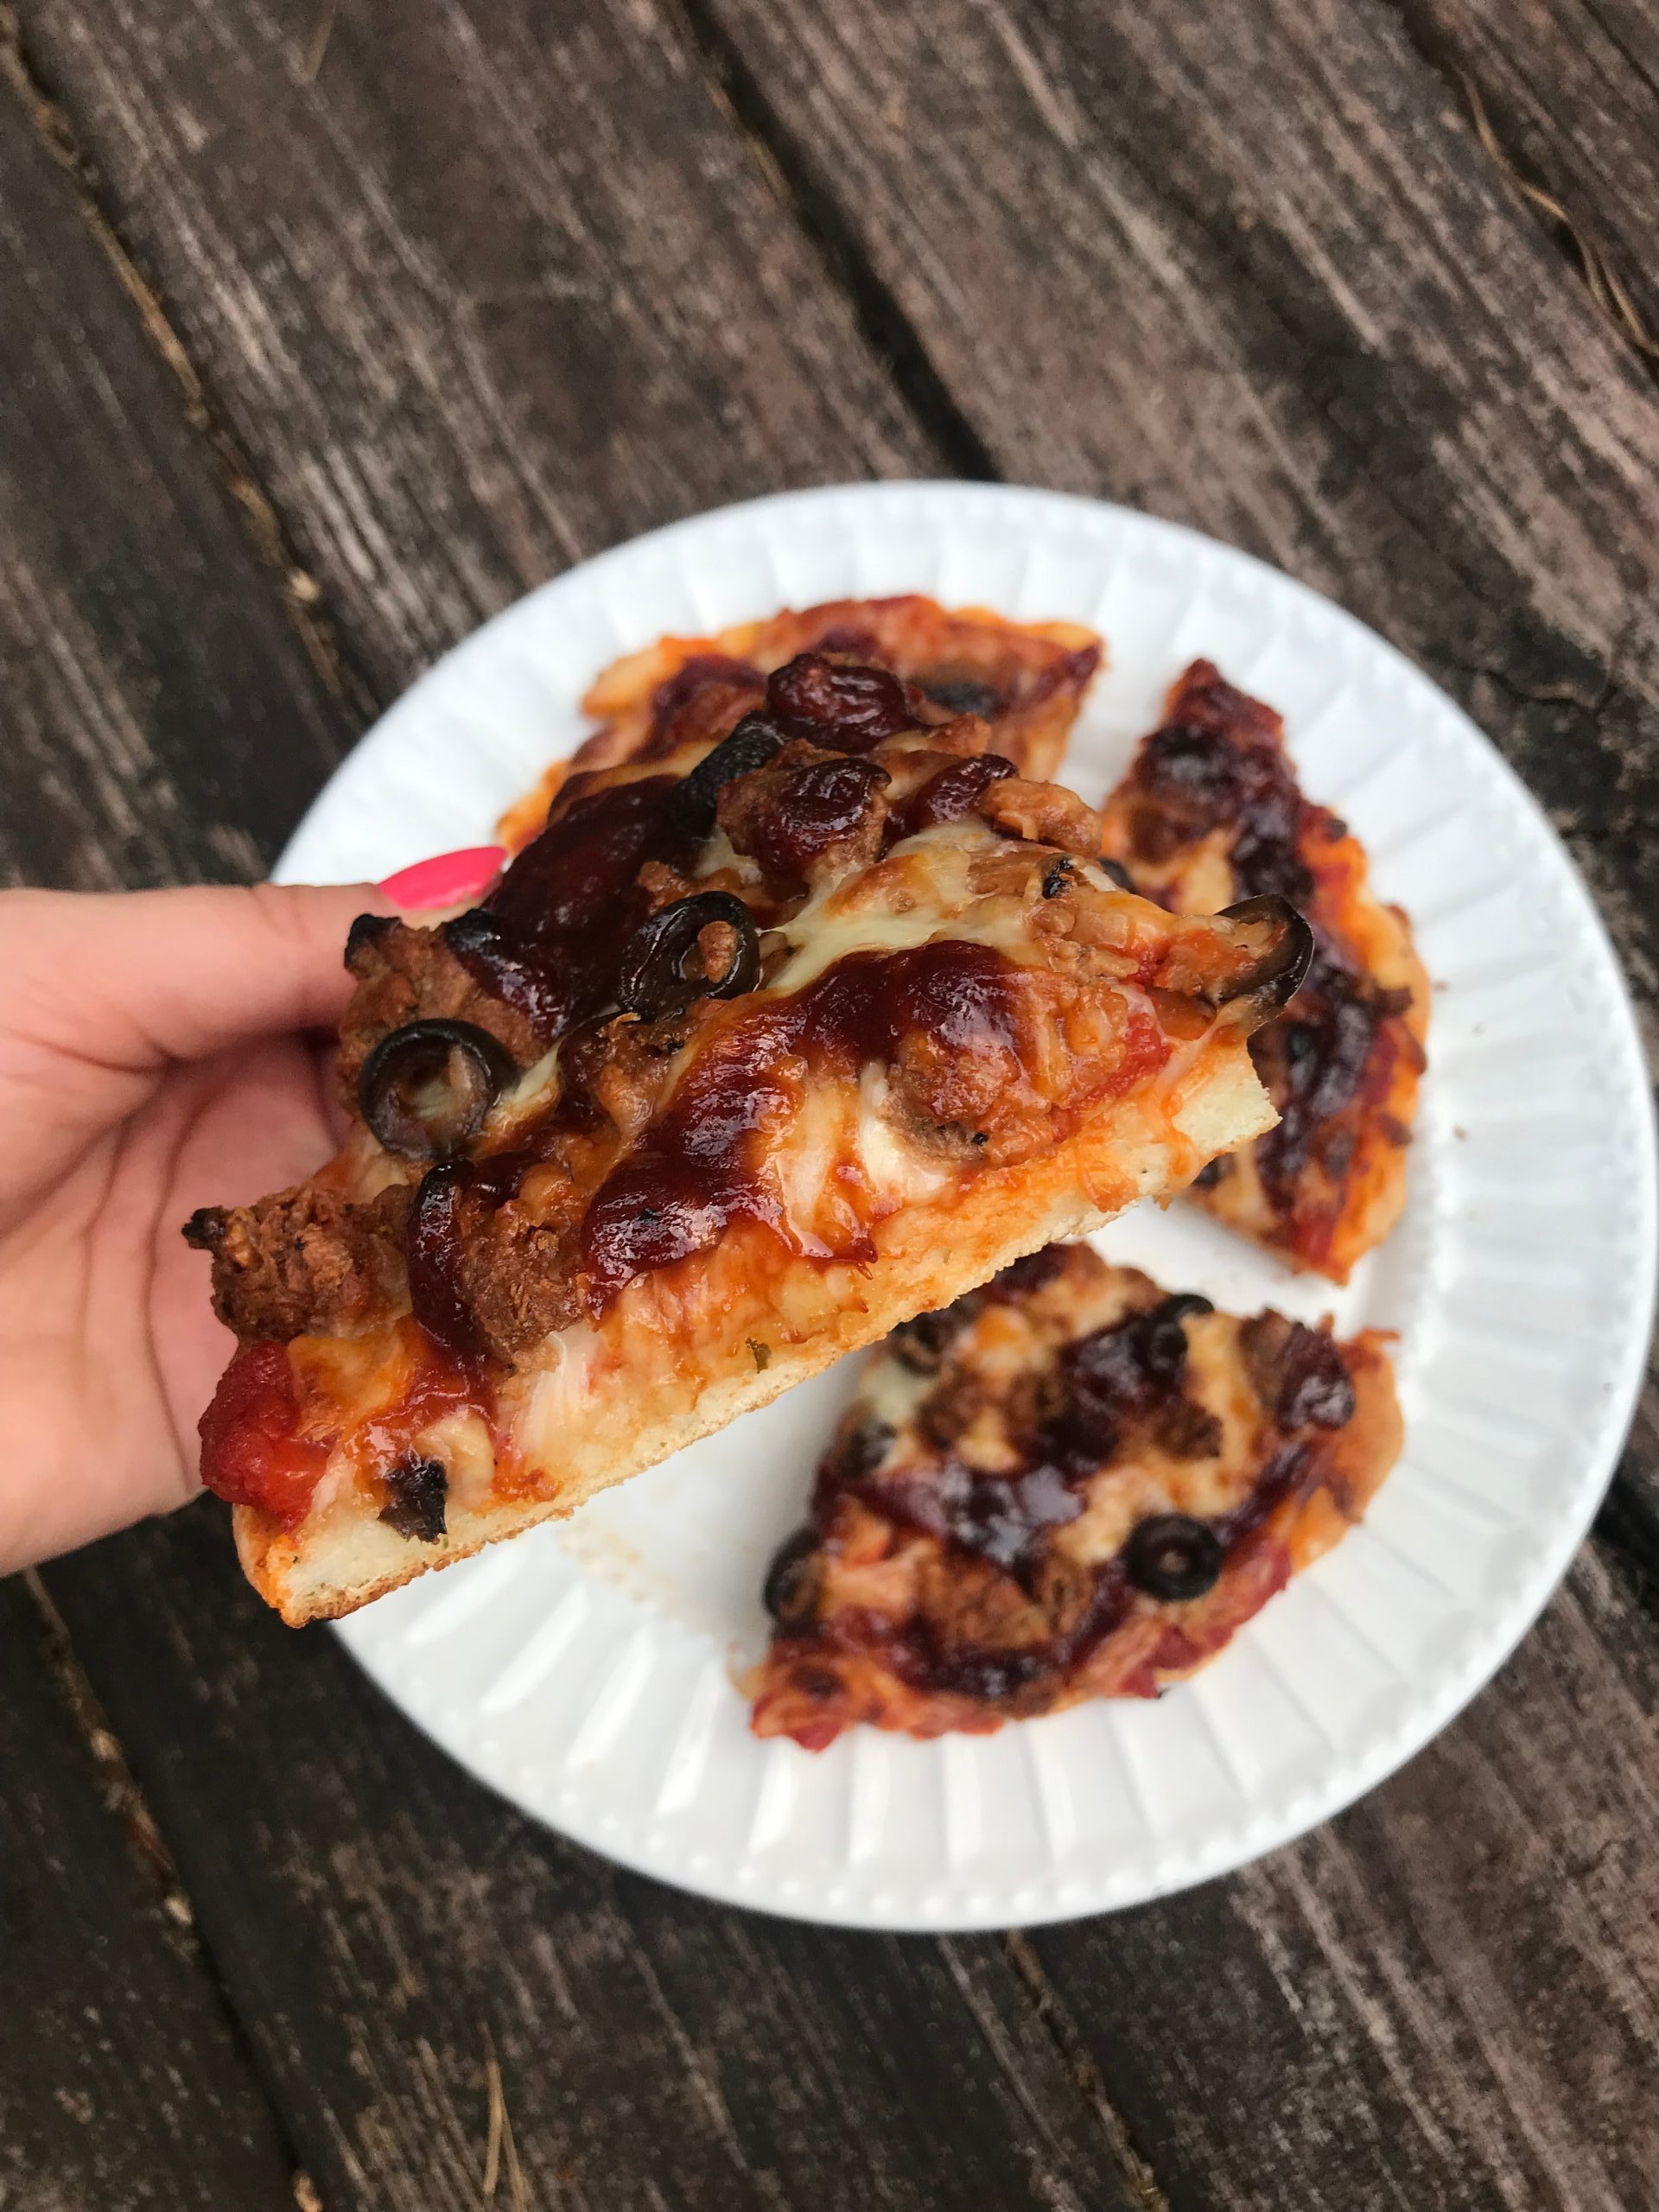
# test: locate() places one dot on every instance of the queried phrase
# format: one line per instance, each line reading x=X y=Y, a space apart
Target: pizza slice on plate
x=1065 y=1485
x=1210 y=814
x=756 y=1051
x=1025 y=680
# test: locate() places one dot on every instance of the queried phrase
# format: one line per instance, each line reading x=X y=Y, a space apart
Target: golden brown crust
x=990 y=1525
x=1209 y=814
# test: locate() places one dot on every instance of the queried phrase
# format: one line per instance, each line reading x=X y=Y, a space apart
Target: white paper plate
x=587 y=1672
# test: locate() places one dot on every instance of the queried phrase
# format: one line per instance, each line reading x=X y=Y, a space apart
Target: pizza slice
x=756 y=1051
x=1065 y=1485
x=1210 y=814
x=1024 y=680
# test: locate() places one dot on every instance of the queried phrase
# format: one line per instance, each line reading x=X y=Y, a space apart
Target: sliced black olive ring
x=1171 y=1555
x=965 y=696
x=653 y=979
x=751 y=744
x=426 y=1088
x=790 y=1591
x=1271 y=983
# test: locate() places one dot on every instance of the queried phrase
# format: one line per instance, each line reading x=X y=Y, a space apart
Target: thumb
x=134 y=979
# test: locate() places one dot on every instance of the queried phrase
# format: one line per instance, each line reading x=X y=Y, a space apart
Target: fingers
x=138 y=979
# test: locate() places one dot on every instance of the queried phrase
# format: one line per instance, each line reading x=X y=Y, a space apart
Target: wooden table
x=323 y=335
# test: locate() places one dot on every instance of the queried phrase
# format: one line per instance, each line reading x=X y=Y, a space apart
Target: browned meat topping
x=1000 y=1612
x=701 y=702
x=307 y=1260
x=1298 y=1373
x=1044 y=812
x=810 y=814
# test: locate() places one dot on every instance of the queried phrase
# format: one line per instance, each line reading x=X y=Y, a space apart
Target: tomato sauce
x=252 y=1452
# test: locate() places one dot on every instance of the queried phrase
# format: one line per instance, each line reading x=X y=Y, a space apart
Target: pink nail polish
x=446 y=880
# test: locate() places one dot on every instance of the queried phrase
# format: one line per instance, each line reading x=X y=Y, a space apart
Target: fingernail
x=446 y=880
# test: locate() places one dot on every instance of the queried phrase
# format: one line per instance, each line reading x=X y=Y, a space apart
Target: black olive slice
x=416 y=1492
x=1181 y=1304
x=692 y=802
x=426 y=1088
x=1172 y=1556
x=1276 y=978
x=965 y=696
x=653 y=981
x=790 y=1592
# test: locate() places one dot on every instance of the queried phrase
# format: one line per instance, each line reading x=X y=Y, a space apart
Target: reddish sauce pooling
x=700 y=673
x=437 y=1239
x=949 y=796
x=251 y=1450
x=697 y=1173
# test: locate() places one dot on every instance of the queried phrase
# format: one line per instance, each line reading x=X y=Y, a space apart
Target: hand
x=153 y=1059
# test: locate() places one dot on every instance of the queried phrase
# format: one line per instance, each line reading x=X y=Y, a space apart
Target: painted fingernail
x=446 y=880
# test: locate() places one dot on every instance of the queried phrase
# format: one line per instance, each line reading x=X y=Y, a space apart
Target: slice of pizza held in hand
x=1209 y=815
x=1024 y=680
x=1065 y=1485
x=758 y=1050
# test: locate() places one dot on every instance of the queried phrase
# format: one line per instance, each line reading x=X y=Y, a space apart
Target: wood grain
x=1449 y=1997
x=123 y=2081
x=501 y=286
x=162 y=718
x=1572 y=89
x=381 y=1922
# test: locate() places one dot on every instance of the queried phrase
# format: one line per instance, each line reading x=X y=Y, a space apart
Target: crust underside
x=650 y=1391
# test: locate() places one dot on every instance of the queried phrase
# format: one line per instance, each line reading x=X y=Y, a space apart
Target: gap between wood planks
x=126 y=1802
x=1594 y=268
x=1078 y=2060
x=298 y=590
x=738 y=92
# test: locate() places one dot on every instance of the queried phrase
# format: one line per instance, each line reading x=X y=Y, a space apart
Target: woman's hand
x=154 y=1057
